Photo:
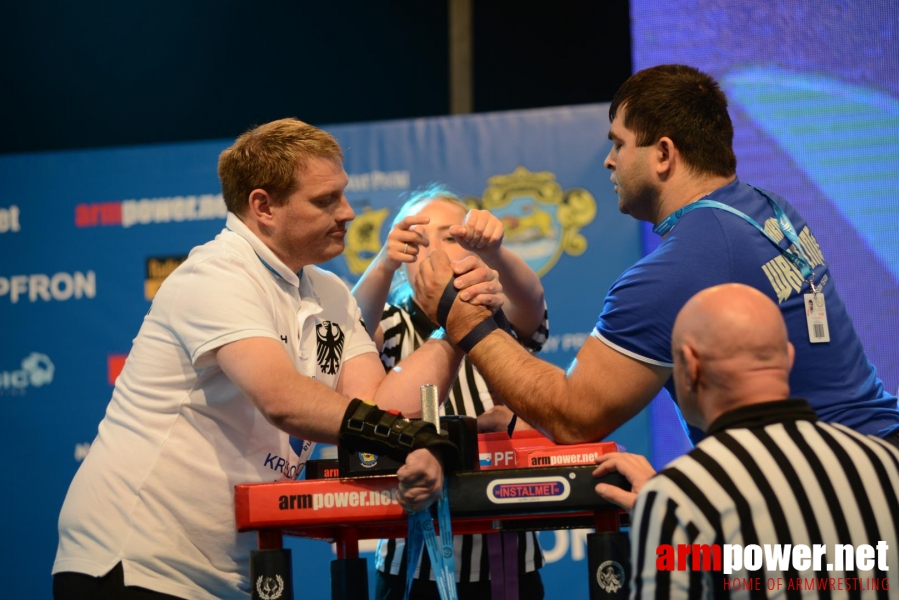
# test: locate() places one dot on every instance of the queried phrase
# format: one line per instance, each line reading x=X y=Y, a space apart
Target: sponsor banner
x=158 y=268
x=150 y=211
x=36 y=370
x=114 y=365
x=9 y=219
x=40 y=287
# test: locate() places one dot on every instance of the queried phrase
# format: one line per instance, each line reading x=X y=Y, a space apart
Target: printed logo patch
x=610 y=576
x=270 y=588
x=330 y=346
x=528 y=489
x=368 y=460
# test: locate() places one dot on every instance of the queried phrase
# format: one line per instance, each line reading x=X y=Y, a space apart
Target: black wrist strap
x=480 y=331
x=367 y=428
x=446 y=302
x=500 y=317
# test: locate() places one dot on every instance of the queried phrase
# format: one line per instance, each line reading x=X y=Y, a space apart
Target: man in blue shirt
x=673 y=165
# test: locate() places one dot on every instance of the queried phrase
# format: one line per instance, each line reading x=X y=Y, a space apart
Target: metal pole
x=461 y=57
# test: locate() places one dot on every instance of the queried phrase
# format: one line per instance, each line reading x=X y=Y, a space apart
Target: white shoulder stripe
x=633 y=355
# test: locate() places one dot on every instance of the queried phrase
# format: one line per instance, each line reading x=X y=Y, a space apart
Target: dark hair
x=686 y=105
x=268 y=157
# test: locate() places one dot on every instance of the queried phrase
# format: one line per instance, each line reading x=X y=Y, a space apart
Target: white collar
x=263 y=252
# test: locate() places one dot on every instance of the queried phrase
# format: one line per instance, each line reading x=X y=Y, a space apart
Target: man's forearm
x=536 y=390
x=435 y=362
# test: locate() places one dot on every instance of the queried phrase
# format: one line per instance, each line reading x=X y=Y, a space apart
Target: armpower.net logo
x=150 y=211
x=774 y=559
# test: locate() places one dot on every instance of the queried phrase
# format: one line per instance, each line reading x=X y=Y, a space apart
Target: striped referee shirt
x=771 y=474
x=405 y=329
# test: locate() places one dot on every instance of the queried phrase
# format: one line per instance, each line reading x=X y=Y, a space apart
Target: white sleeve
x=216 y=302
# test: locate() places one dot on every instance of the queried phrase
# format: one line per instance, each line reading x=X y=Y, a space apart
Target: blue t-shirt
x=710 y=246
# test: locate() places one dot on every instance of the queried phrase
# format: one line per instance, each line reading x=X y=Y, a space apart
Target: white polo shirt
x=156 y=490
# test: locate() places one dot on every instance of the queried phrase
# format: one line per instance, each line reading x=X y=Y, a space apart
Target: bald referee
x=767 y=474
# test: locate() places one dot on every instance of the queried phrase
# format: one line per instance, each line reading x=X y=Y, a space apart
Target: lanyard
x=783 y=221
x=443 y=561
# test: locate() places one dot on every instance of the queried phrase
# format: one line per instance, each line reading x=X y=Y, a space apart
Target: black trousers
x=78 y=586
x=392 y=587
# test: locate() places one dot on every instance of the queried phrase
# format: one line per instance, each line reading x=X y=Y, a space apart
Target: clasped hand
x=419 y=480
x=480 y=292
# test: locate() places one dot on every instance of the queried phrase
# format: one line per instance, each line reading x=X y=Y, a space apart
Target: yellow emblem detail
x=362 y=239
x=541 y=208
x=541 y=220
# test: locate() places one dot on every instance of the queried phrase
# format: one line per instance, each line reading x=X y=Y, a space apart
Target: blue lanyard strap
x=783 y=221
x=443 y=557
x=414 y=541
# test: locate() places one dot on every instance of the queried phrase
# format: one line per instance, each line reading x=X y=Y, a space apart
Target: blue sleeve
x=640 y=308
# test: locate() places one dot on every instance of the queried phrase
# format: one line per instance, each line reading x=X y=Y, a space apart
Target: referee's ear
x=691 y=366
x=791 y=356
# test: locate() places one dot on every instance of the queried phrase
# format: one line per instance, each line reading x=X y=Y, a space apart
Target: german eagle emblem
x=330 y=346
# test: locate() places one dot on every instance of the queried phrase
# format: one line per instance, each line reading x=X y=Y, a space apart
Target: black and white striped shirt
x=771 y=474
x=405 y=329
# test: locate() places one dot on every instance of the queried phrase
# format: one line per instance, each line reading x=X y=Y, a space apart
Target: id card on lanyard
x=815 y=308
x=816 y=317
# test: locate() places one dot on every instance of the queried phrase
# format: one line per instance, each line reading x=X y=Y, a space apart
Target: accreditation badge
x=816 y=318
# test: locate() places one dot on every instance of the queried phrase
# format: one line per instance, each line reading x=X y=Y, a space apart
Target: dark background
x=110 y=73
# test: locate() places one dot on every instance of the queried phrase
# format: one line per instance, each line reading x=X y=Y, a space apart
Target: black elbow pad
x=367 y=428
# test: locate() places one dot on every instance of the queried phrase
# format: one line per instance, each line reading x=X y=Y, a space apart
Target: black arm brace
x=367 y=428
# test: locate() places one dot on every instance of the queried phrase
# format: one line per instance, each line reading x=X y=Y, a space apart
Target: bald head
x=730 y=349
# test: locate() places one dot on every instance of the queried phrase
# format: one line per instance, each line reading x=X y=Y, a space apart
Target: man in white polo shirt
x=246 y=344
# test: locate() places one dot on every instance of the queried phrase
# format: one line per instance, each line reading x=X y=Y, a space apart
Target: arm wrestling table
x=344 y=510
